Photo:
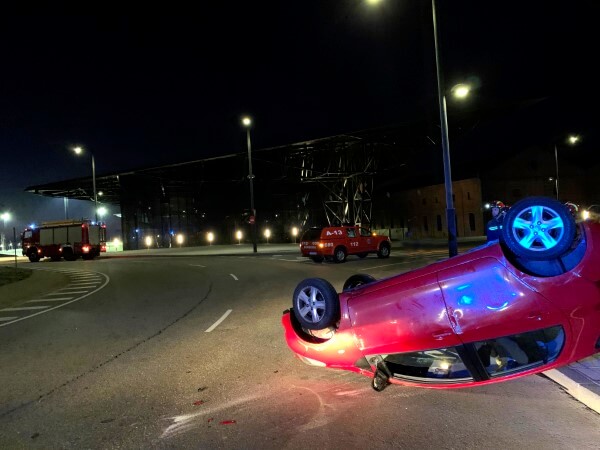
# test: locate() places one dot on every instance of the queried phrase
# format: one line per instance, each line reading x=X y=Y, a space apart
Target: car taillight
x=321 y=245
x=85 y=249
x=103 y=248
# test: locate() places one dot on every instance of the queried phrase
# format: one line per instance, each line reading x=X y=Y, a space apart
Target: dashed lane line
x=234 y=277
x=218 y=322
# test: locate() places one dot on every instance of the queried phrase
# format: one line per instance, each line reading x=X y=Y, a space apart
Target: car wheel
x=316 y=304
x=68 y=254
x=34 y=255
x=538 y=228
x=317 y=259
x=357 y=280
x=362 y=255
x=384 y=250
x=339 y=255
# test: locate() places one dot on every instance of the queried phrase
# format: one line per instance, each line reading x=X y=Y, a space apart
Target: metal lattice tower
x=342 y=174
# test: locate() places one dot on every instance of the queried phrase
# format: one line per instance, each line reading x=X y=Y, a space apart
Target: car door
x=366 y=240
x=353 y=240
x=404 y=326
x=506 y=324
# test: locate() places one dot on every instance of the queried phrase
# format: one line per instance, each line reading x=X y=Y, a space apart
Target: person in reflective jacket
x=493 y=230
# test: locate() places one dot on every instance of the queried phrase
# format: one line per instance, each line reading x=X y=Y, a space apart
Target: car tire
x=538 y=228
x=362 y=255
x=384 y=250
x=33 y=255
x=68 y=254
x=339 y=255
x=357 y=280
x=317 y=259
x=316 y=304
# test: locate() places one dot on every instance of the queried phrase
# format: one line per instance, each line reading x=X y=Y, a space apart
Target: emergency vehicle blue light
x=32 y=226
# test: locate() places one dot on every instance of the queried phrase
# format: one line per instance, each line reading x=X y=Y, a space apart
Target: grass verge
x=10 y=275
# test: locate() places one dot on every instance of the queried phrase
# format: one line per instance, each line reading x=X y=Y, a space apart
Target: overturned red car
x=524 y=304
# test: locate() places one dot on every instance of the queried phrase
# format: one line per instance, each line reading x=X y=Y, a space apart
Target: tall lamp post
x=247 y=122
x=571 y=140
x=79 y=151
x=450 y=212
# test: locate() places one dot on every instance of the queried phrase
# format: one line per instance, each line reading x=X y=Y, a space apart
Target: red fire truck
x=67 y=239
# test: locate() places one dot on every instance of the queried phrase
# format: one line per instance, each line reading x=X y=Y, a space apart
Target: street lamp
x=450 y=212
x=210 y=237
x=79 y=151
x=247 y=122
x=179 y=239
x=238 y=235
x=572 y=140
x=267 y=234
x=295 y=233
x=5 y=216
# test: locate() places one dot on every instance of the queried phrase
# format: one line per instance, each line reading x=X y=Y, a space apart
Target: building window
x=425 y=225
x=439 y=222
x=472 y=221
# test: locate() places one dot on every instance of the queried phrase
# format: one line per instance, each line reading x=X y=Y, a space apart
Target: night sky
x=141 y=88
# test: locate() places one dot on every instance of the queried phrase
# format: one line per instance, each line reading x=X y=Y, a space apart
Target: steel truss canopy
x=329 y=180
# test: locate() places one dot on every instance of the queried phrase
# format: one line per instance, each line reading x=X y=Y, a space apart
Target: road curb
x=575 y=388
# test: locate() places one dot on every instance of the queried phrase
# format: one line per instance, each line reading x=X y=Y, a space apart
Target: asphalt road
x=188 y=352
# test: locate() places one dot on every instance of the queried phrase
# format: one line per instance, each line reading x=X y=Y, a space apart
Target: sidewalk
x=581 y=379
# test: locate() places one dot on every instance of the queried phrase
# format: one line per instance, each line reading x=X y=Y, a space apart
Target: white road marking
x=6 y=319
x=58 y=299
x=216 y=324
x=234 y=277
x=69 y=291
x=52 y=308
x=82 y=285
x=197 y=265
x=24 y=308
